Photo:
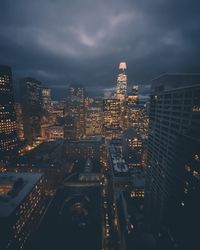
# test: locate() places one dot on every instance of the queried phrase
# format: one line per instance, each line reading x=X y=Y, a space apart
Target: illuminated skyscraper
x=111 y=118
x=138 y=118
x=121 y=90
x=31 y=100
x=46 y=98
x=136 y=112
x=20 y=126
x=93 y=121
x=132 y=148
x=121 y=94
x=8 y=136
x=75 y=107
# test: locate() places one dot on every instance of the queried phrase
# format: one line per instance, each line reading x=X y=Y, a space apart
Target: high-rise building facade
x=121 y=95
x=138 y=118
x=184 y=221
x=136 y=115
x=75 y=107
x=121 y=90
x=173 y=134
x=132 y=148
x=20 y=126
x=70 y=128
x=8 y=128
x=54 y=133
x=76 y=92
x=111 y=117
x=93 y=121
x=48 y=117
x=31 y=100
x=132 y=97
x=46 y=98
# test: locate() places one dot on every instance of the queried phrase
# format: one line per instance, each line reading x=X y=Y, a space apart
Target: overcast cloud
x=82 y=41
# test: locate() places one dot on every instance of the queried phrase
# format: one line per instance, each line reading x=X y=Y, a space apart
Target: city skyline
x=96 y=165
x=99 y=124
x=82 y=43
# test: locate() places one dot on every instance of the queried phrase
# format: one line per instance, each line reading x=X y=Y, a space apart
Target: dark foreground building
x=173 y=172
x=8 y=136
x=21 y=202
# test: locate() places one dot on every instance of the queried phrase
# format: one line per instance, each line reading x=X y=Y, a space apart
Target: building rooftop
x=89 y=139
x=14 y=187
x=130 y=133
x=118 y=163
x=138 y=181
x=174 y=80
x=47 y=154
x=56 y=128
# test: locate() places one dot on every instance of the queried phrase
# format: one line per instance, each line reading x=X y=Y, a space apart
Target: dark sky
x=82 y=41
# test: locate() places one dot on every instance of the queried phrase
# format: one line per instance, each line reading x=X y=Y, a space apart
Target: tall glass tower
x=8 y=135
x=121 y=90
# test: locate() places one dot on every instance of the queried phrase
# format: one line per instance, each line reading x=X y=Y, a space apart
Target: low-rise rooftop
x=14 y=187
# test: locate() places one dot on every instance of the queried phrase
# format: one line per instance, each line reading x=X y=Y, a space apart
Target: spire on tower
x=122 y=65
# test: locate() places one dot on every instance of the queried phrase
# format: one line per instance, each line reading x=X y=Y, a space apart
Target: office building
x=76 y=92
x=20 y=126
x=132 y=148
x=8 y=127
x=111 y=118
x=70 y=128
x=131 y=100
x=57 y=112
x=173 y=153
x=185 y=206
x=121 y=178
x=54 y=133
x=121 y=94
x=75 y=107
x=121 y=90
x=93 y=121
x=83 y=149
x=31 y=101
x=46 y=98
x=138 y=118
x=21 y=206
